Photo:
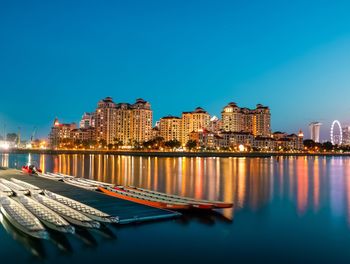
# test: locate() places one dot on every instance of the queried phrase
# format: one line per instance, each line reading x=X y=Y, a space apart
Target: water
x=293 y=209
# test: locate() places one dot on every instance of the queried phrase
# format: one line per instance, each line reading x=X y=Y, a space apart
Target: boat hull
x=161 y=205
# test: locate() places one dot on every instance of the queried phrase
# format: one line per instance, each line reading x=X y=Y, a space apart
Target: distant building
x=170 y=128
x=284 y=141
x=315 y=131
x=255 y=121
x=83 y=135
x=215 y=125
x=134 y=122
x=194 y=121
x=87 y=120
x=105 y=120
x=60 y=133
x=346 y=135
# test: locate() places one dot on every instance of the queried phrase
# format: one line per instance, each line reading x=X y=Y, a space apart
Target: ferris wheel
x=336 y=133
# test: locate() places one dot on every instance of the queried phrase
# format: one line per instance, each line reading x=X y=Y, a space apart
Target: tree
x=103 y=142
x=328 y=146
x=11 y=137
x=110 y=146
x=172 y=144
x=191 y=144
x=117 y=143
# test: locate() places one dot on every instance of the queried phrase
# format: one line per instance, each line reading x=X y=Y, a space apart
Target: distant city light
x=4 y=145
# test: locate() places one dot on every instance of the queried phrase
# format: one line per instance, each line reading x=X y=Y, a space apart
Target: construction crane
x=32 y=138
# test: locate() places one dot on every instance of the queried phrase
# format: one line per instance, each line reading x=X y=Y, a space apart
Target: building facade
x=170 y=128
x=255 y=121
x=106 y=121
x=87 y=120
x=315 y=131
x=194 y=121
x=60 y=133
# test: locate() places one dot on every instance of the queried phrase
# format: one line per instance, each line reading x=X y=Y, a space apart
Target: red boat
x=30 y=169
x=193 y=203
x=144 y=200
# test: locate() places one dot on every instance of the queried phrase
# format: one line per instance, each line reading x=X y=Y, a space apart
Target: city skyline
x=293 y=58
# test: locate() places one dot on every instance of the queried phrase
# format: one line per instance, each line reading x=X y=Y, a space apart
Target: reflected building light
x=316 y=172
x=336 y=177
x=241 y=182
x=42 y=162
x=302 y=185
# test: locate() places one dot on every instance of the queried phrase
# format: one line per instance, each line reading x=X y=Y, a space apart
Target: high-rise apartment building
x=315 y=131
x=261 y=121
x=194 y=121
x=134 y=122
x=170 y=128
x=255 y=121
x=105 y=121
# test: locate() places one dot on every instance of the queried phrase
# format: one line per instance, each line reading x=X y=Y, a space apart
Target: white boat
x=32 y=188
x=17 y=189
x=21 y=218
x=64 y=175
x=48 y=217
x=71 y=215
x=83 y=208
x=49 y=176
x=5 y=190
x=95 y=183
x=80 y=184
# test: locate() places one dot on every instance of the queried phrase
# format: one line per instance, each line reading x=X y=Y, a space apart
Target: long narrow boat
x=95 y=183
x=144 y=200
x=21 y=218
x=48 y=217
x=217 y=204
x=5 y=190
x=32 y=188
x=63 y=175
x=83 y=208
x=193 y=204
x=17 y=189
x=66 y=212
x=48 y=176
x=80 y=184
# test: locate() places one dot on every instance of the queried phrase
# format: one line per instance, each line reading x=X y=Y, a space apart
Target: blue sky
x=58 y=58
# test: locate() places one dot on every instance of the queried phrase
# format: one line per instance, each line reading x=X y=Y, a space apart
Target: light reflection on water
x=305 y=197
x=247 y=182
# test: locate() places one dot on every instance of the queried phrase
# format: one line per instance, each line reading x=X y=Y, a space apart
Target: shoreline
x=172 y=154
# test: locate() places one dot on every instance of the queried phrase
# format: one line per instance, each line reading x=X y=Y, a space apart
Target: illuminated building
x=60 y=132
x=234 y=139
x=170 y=128
x=215 y=125
x=105 y=121
x=193 y=122
x=284 y=141
x=134 y=122
x=83 y=134
x=261 y=121
x=346 y=135
x=255 y=121
x=315 y=131
x=87 y=120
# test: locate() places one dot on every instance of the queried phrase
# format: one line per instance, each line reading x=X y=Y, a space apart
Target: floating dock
x=128 y=212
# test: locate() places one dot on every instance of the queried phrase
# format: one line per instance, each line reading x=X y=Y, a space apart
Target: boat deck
x=128 y=212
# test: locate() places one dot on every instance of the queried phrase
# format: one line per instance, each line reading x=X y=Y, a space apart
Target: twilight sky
x=58 y=58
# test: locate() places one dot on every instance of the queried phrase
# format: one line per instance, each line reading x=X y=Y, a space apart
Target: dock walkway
x=128 y=212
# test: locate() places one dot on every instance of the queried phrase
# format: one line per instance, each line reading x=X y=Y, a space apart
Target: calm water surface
x=286 y=210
